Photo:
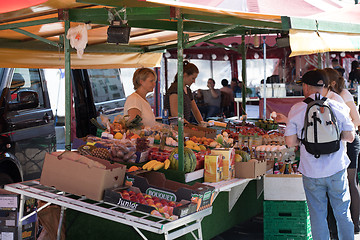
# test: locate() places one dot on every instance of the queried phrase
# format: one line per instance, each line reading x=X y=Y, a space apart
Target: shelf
x=113 y=212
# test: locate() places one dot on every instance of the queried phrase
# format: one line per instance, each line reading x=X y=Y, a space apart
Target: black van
x=26 y=124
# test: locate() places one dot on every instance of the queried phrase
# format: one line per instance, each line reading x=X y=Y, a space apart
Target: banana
x=158 y=165
x=150 y=163
x=167 y=164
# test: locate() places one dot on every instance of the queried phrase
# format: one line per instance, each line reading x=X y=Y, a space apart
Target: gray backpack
x=320 y=134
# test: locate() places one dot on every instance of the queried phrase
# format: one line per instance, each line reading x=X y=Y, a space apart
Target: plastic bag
x=78 y=37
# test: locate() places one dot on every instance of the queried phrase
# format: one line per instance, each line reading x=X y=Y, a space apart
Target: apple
x=126 y=197
x=172 y=204
x=161 y=210
x=156 y=199
x=150 y=201
x=132 y=193
x=178 y=205
x=158 y=204
x=139 y=195
x=164 y=202
x=146 y=196
x=142 y=201
x=170 y=210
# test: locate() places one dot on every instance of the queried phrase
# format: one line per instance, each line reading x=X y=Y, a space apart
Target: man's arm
x=348 y=136
x=292 y=140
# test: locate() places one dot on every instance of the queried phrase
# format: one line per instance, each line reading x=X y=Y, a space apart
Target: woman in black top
x=354 y=75
x=171 y=98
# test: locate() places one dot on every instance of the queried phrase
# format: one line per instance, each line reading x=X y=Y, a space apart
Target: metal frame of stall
x=138 y=220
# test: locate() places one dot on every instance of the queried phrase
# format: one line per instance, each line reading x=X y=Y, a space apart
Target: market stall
x=190 y=25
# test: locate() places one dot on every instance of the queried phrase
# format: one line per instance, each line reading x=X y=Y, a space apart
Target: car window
x=107 y=88
x=26 y=79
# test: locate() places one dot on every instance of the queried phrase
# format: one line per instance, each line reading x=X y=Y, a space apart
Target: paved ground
x=250 y=230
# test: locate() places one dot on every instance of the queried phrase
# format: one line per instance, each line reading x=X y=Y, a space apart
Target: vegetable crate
x=286 y=220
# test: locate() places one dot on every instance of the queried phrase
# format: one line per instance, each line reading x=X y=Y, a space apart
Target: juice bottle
x=276 y=169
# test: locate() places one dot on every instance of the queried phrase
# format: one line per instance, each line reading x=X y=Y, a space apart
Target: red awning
x=9 y=6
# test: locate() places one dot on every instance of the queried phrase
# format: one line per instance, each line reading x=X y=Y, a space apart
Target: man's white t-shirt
x=327 y=164
x=147 y=114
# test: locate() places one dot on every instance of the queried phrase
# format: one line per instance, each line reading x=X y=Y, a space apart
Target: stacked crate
x=286 y=215
x=286 y=220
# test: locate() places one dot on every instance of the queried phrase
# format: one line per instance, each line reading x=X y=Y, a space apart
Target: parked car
x=27 y=125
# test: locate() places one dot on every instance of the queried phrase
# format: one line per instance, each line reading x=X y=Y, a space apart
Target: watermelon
x=189 y=160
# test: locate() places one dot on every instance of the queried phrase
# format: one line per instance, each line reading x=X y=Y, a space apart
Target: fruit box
x=193 y=130
x=213 y=168
x=228 y=157
x=252 y=169
x=155 y=184
x=114 y=195
x=80 y=175
x=284 y=187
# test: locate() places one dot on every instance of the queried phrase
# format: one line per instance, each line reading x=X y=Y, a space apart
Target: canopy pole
x=319 y=61
x=180 y=75
x=67 y=88
x=243 y=73
x=264 y=52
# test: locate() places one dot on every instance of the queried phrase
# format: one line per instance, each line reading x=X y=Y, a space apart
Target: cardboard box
x=114 y=196
x=228 y=161
x=155 y=184
x=213 y=168
x=284 y=187
x=250 y=169
x=193 y=130
x=80 y=175
x=269 y=164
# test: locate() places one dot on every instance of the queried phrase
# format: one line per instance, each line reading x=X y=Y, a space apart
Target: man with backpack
x=321 y=127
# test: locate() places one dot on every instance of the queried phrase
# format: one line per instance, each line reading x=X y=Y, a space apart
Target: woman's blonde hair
x=141 y=74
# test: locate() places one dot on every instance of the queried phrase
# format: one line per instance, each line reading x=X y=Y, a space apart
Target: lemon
x=118 y=136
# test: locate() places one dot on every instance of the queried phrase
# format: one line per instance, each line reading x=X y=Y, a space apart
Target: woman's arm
x=196 y=112
x=132 y=112
x=173 y=100
x=354 y=114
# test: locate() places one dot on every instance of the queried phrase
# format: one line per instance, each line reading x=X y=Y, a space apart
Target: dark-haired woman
x=337 y=84
x=354 y=75
x=190 y=73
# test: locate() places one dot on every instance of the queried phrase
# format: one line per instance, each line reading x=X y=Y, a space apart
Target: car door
x=30 y=128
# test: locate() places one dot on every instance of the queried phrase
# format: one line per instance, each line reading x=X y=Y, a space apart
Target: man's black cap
x=313 y=78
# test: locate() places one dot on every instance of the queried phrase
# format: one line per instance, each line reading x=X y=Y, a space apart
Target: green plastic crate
x=286 y=209
x=287 y=237
x=287 y=225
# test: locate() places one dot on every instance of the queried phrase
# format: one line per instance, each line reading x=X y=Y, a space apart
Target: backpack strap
x=308 y=100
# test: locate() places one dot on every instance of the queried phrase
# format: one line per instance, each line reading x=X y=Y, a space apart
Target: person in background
x=227 y=99
x=354 y=75
x=235 y=87
x=171 y=97
x=324 y=177
x=212 y=99
x=337 y=84
x=335 y=65
x=144 y=80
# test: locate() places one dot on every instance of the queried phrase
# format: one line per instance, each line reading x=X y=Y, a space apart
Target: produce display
x=163 y=208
